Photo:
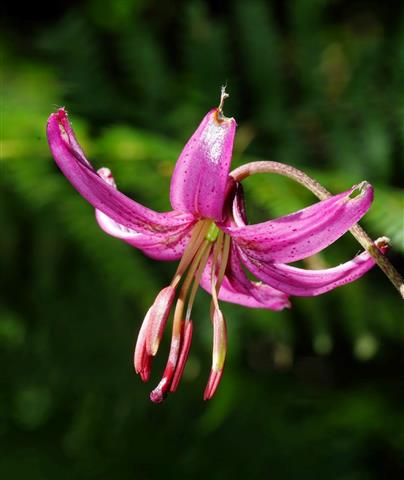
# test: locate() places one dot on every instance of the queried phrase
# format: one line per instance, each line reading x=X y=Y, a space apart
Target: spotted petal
x=239 y=289
x=267 y=296
x=167 y=246
x=306 y=232
x=306 y=283
x=71 y=160
x=200 y=176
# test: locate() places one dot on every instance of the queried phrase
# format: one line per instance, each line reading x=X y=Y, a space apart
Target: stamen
x=141 y=359
x=217 y=282
x=158 y=394
x=197 y=237
x=205 y=237
x=146 y=370
x=188 y=327
x=213 y=383
x=222 y=248
x=195 y=285
x=216 y=252
x=186 y=344
x=223 y=262
x=218 y=354
x=159 y=313
x=187 y=282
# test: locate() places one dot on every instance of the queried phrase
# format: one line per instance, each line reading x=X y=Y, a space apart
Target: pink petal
x=218 y=353
x=169 y=246
x=306 y=232
x=183 y=356
x=306 y=283
x=70 y=159
x=200 y=176
x=239 y=289
x=267 y=296
x=141 y=359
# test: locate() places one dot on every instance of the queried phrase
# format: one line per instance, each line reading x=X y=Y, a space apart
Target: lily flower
x=208 y=233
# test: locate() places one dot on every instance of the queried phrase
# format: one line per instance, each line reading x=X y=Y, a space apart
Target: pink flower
x=208 y=232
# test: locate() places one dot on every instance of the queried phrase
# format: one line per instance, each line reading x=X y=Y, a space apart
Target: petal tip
x=60 y=116
x=62 y=112
x=360 y=190
x=106 y=174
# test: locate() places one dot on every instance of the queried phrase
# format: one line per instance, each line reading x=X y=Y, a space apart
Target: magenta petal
x=239 y=289
x=307 y=283
x=167 y=246
x=70 y=159
x=306 y=232
x=170 y=246
x=267 y=296
x=183 y=356
x=200 y=176
x=260 y=296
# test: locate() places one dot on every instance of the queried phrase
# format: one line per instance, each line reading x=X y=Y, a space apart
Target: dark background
x=316 y=392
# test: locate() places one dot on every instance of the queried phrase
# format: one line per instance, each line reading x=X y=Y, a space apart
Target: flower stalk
x=322 y=193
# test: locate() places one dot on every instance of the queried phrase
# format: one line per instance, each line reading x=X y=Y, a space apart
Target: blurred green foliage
x=314 y=392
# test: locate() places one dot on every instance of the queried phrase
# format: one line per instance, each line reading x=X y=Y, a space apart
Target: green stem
x=361 y=236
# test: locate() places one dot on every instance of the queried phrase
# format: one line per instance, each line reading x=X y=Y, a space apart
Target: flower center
x=213 y=232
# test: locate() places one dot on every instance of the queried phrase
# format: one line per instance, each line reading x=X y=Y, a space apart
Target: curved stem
x=361 y=236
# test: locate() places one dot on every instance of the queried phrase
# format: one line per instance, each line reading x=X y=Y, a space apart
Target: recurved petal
x=167 y=246
x=239 y=289
x=306 y=232
x=267 y=296
x=103 y=196
x=307 y=283
x=200 y=176
x=218 y=353
x=260 y=296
